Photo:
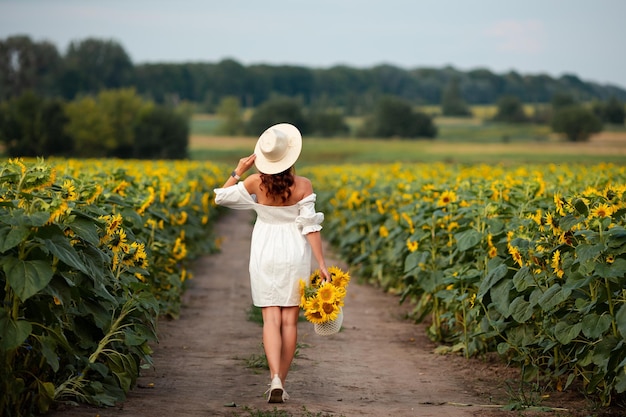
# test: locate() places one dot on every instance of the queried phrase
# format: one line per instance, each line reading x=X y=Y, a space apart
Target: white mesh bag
x=330 y=327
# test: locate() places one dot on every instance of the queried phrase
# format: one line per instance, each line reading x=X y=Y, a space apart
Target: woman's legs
x=272 y=341
x=280 y=333
x=289 y=338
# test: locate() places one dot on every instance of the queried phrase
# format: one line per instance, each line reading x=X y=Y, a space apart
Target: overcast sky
x=582 y=37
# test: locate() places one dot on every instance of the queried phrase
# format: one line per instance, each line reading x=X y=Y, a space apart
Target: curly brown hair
x=278 y=185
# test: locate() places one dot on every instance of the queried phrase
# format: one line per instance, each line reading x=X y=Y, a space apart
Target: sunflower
x=447 y=197
x=314 y=316
x=516 y=255
x=322 y=300
x=330 y=311
x=603 y=210
x=327 y=293
x=339 y=277
x=411 y=245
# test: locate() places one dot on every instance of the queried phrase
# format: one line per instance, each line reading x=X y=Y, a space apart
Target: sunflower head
x=327 y=293
x=339 y=277
x=329 y=311
x=315 y=278
x=314 y=316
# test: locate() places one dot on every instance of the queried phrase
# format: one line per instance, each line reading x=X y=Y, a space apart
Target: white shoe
x=276 y=391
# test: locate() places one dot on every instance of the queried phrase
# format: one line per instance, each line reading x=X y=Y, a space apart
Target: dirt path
x=379 y=365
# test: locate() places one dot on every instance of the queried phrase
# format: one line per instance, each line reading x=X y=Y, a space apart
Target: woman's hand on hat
x=245 y=164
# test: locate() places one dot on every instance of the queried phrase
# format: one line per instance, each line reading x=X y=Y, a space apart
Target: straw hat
x=278 y=148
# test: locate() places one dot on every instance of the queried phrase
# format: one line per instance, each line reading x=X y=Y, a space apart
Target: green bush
x=161 y=134
x=394 y=117
x=576 y=122
x=277 y=110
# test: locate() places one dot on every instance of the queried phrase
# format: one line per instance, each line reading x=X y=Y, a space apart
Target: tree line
x=91 y=65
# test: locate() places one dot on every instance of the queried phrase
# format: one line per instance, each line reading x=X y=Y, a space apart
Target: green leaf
x=98 y=310
x=594 y=325
x=13 y=333
x=620 y=318
x=413 y=259
x=503 y=347
x=520 y=310
x=124 y=368
x=620 y=382
x=566 y=223
x=430 y=280
x=603 y=351
x=500 y=297
x=615 y=270
x=553 y=297
x=586 y=252
x=48 y=351
x=45 y=396
x=86 y=230
x=19 y=218
x=535 y=296
x=99 y=367
x=467 y=239
x=58 y=244
x=581 y=207
x=27 y=278
x=138 y=335
x=495 y=225
x=523 y=279
x=565 y=332
x=492 y=278
x=520 y=335
x=617 y=237
x=12 y=236
x=37 y=219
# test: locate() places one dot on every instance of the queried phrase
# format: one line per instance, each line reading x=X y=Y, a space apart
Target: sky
x=586 y=38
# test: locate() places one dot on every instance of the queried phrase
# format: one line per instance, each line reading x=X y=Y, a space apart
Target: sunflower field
x=92 y=252
x=528 y=261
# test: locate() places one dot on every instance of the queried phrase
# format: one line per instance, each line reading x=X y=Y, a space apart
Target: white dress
x=280 y=255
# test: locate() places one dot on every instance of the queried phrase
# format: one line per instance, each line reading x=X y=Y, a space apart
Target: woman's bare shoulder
x=304 y=186
x=253 y=183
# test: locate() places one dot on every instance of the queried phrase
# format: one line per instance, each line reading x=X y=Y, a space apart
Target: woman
x=286 y=232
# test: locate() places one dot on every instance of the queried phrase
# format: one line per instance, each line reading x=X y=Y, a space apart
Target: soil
x=380 y=364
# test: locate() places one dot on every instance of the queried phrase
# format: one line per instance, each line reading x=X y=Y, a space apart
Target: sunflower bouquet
x=322 y=301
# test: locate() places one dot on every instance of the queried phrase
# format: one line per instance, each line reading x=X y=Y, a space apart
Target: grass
x=203 y=124
x=489 y=132
x=355 y=151
x=460 y=140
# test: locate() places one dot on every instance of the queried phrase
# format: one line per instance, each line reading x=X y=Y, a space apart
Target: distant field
x=460 y=140
x=608 y=147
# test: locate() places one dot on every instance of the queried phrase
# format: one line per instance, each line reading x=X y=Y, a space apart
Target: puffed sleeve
x=235 y=197
x=308 y=220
